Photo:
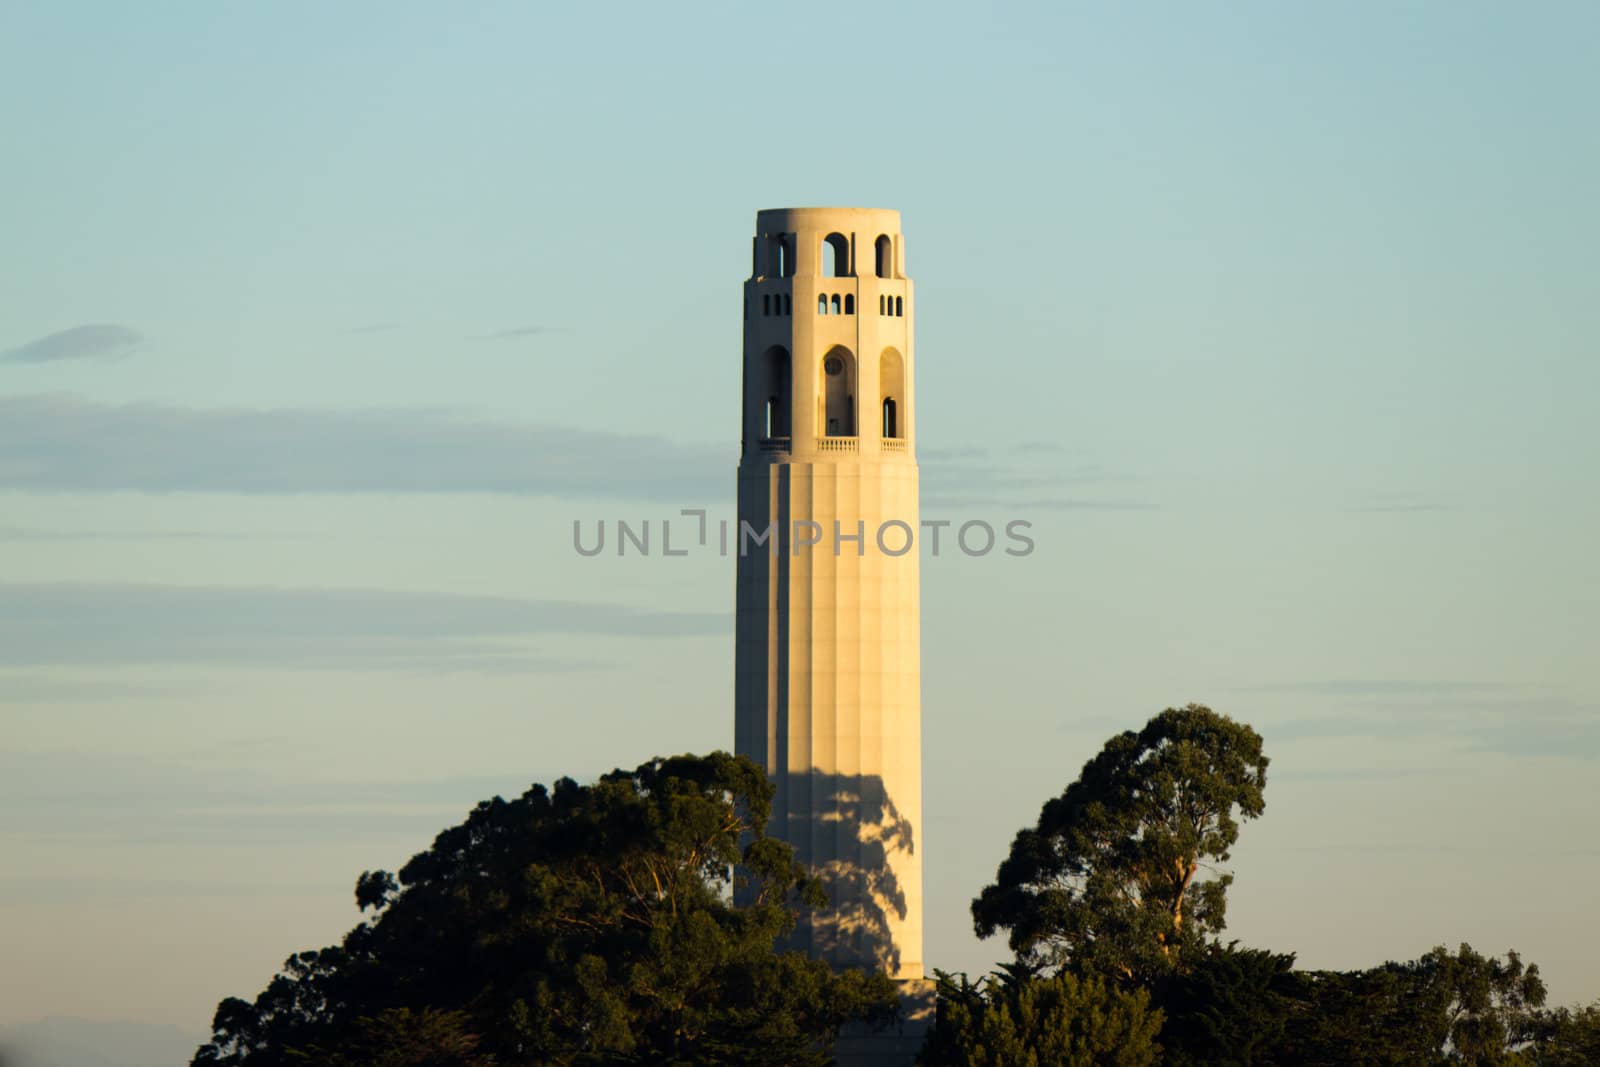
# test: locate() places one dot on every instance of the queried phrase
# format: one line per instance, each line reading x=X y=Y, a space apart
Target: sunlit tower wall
x=827 y=646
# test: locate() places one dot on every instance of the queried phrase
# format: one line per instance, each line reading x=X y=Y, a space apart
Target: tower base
x=895 y=1045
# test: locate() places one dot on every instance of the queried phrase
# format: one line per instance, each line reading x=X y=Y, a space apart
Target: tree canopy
x=1227 y=1007
x=1023 y=1020
x=578 y=925
x=1112 y=876
x=1441 y=1008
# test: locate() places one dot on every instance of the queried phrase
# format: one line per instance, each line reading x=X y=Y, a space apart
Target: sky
x=320 y=325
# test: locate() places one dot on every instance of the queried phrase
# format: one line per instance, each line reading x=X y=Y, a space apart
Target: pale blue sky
x=1278 y=323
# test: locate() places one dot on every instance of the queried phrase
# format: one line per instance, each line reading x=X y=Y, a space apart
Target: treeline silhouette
x=646 y=919
x=1113 y=904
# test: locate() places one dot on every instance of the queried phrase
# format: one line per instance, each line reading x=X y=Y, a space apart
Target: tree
x=1487 y=1005
x=1028 y=1021
x=400 y=1037
x=1228 y=1007
x=1111 y=877
x=1567 y=1037
x=1379 y=1017
x=1442 y=1008
x=581 y=925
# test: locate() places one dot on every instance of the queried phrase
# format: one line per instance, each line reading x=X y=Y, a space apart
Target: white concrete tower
x=827 y=652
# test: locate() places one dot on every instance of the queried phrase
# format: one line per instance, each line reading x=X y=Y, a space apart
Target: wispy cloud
x=1397 y=503
x=68 y=443
x=64 y=442
x=1027 y=504
x=79 y=342
x=37 y=689
x=1569 y=732
x=1030 y=476
x=1506 y=718
x=108 y=624
x=131 y=798
x=47 y=534
x=92 y=1043
x=1385 y=687
x=950 y=453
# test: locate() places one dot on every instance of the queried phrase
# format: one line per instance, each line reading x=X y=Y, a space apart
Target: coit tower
x=827 y=647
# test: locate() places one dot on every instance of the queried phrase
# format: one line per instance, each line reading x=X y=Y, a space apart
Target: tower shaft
x=827 y=648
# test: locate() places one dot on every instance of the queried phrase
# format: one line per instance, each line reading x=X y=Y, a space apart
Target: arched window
x=775 y=383
x=899 y=306
x=787 y=307
x=892 y=390
x=849 y=304
x=766 y=304
x=778 y=265
x=835 y=299
x=880 y=303
x=822 y=304
x=839 y=393
x=884 y=249
x=835 y=256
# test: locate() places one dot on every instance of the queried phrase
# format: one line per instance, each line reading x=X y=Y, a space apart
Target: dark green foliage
x=1567 y=1037
x=1227 y=1007
x=580 y=925
x=1488 y=1004
x=1109 y=884
x=401 y=1037
x=1443 y=1008
x=1380 y=1017
x=1027 y=1021
x=1110 y=879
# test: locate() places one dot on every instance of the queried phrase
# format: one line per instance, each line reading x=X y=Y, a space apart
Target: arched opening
x=849 y=304
x=836 y=256
x=899 y=306
x=780 y=255
x=766 y=303
x=884 y=249
x=839 y=393
x=775 y=387
x=822 y=304
x=835 y=300
x=787 y=307
x=892 y=390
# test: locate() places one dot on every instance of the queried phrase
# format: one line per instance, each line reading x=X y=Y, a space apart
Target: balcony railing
x=888 y=445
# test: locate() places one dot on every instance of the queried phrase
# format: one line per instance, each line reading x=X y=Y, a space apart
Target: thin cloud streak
x=79 y=342
x=113 y=624
x=1036 y=503
x=46 y=535
x=972 y=477
x=1384 y=687
x=68 y=443
x=34 y=689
